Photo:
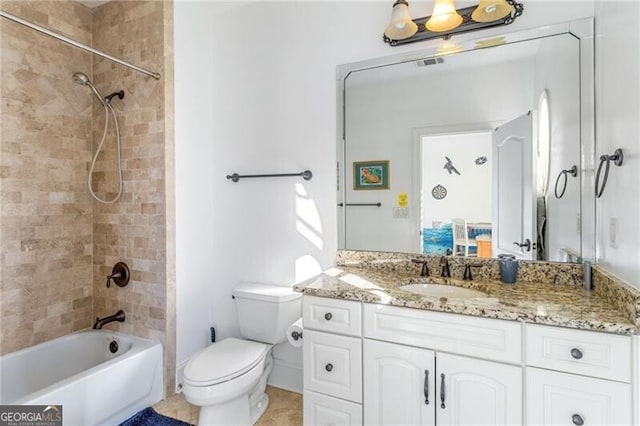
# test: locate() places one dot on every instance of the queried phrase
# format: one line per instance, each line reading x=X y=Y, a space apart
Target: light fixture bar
x=467 y=25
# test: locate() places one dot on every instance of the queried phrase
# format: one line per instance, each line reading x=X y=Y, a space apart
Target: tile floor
x=285 y=409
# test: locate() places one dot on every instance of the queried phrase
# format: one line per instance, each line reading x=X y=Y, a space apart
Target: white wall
x=255 y=92
x=468 y=194
x=618 y=126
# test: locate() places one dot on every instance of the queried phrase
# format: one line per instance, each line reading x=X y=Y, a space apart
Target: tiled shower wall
x=57 y=244
x=45 y=143
x=133 y=229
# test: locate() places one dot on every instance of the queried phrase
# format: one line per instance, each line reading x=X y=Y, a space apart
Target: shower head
x=82 y=79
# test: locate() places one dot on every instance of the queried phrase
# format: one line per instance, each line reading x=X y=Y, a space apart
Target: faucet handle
x=467 y=272
x=120 y=275
x=424 y=272
x=446 y=272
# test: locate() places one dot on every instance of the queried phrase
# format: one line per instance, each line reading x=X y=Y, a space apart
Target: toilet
x=227 y=380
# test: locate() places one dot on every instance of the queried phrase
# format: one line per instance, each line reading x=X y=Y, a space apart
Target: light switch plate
x=400 y=213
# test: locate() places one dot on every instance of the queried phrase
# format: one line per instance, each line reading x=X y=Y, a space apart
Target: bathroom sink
x=442 y=290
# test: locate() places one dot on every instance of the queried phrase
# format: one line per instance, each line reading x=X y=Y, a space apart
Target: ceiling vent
x=429 y=61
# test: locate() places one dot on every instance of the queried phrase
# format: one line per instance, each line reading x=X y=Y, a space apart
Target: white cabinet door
x=398 y=384
x=323 y=410
x=471 y=391
x=555 y=398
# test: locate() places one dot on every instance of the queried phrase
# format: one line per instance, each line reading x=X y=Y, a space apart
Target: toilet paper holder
x=296 y=335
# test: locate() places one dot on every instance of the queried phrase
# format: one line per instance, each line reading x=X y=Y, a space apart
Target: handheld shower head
x=82 y=79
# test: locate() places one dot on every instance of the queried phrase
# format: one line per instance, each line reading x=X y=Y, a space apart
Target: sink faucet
x=100 y=322
x=446 y=272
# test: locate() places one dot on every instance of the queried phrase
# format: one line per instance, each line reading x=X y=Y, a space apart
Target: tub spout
x=100 y=322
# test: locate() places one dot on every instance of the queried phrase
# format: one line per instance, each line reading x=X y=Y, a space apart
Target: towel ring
x=617 y=159
x=573 y=171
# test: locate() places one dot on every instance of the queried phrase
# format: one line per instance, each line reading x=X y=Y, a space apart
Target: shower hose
x=107 y=108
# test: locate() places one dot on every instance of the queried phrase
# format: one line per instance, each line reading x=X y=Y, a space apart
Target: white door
x=475 y=392
x=514 y=207
x=398 y=384
x=566 y=399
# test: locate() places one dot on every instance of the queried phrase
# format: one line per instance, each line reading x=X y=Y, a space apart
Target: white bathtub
x=79 y=372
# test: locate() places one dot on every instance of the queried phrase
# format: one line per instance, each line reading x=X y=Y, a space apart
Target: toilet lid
x=224 y=361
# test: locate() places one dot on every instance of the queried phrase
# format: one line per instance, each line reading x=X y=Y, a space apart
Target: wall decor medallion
x=481 y=160
x=439 y=192
x=371 y=175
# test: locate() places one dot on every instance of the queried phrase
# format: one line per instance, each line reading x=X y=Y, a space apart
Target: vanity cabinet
x=378 y=364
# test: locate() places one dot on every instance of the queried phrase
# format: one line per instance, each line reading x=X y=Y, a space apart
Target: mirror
x=487 y=148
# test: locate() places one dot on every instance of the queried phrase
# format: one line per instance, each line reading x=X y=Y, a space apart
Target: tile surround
x=57 y=244
x=46 y=213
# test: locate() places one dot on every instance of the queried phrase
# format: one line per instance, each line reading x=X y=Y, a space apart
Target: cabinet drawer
x=332 y=365
x=555 y=398
x=323 y=410
x=477 y=337
x=607 y=356
x=332 y=315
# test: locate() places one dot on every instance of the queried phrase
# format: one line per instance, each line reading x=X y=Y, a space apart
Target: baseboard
x=286 y=376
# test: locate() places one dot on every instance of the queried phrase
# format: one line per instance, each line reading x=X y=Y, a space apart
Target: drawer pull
x=426 y=387
x=328 y=316
x=442 y=391
x=328 y=367
x=576 y=354
x=577 y=420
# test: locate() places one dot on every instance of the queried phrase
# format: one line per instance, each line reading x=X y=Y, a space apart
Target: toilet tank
x=265 y=311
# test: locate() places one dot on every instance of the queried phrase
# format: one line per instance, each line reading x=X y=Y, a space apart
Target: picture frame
x=368 y=175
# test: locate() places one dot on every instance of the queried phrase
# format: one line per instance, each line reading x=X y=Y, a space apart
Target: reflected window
x=544 y=144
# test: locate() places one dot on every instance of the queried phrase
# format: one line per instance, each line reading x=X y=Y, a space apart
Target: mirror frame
x=583 y=30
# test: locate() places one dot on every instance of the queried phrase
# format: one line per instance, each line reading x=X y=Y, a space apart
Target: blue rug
x=148 y=417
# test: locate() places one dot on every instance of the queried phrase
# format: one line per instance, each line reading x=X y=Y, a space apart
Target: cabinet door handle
x=328 y=316
x=577 y=420
x=328 y=367
x=576 y=353
x=442 y=391
x=426 y=387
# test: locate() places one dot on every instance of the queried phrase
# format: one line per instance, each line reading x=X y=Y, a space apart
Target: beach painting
x=371 y=175
x=437 y=240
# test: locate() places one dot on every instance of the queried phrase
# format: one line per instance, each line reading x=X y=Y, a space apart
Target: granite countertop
x=541 y=303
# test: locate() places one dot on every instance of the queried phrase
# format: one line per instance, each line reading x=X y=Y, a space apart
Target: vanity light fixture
x=446 y=20
x=401 y=25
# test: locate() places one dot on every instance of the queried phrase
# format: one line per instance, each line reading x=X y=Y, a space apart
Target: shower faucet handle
x=120 y=275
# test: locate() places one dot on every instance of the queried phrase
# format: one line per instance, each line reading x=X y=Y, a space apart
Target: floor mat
x=149 y=417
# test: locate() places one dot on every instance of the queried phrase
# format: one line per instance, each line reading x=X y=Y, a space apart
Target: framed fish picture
x=371 y=175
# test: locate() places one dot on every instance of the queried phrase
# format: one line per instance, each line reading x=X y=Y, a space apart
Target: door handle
x=526 y=244
x=426 y=387
x=442 y=391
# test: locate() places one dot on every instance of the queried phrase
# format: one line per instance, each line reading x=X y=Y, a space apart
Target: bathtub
x=80 y=372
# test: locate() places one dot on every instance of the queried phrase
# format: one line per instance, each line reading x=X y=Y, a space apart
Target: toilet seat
x=224 y=361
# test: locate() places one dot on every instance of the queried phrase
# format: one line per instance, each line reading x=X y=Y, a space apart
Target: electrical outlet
x=400 y=213
x=613 y=232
